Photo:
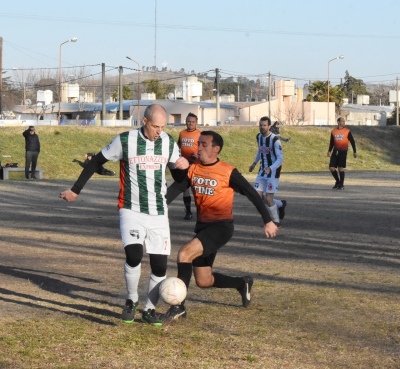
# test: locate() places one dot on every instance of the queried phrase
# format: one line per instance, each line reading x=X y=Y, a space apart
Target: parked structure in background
x=287 y=105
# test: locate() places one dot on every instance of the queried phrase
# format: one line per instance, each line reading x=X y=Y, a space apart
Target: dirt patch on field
x=336 y=258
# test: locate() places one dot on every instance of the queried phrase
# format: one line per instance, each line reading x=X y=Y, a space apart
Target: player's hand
x=270 y=229
x=328 y=154
x=251 y=167
x=181 y=163
x=68 y=195
x=267 y=170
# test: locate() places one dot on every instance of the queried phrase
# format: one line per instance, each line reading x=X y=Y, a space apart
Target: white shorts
x=266 y=185
x=152 y=231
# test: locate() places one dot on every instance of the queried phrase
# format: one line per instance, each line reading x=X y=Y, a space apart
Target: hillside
x=378 y=148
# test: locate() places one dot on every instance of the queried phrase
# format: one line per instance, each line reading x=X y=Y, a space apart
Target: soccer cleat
x=188 y=215
x=335 y=186
x=128 y=312
x=340 y=187
x=151 y=317
x=175 y=312
x=246 y=290
x=281 y=210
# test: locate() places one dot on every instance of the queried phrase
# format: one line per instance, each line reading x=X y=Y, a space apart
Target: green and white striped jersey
x=142 y=170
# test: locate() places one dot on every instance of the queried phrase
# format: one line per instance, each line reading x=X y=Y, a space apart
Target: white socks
x=132 y=276
x=153 y=292
x=273 y=212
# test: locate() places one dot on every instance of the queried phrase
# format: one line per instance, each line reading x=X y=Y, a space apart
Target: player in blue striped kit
x=270 y=156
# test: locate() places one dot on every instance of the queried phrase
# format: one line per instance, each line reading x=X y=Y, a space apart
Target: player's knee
x=204 y=282
x=158 y=264
x=134 y=254
x=183 y=256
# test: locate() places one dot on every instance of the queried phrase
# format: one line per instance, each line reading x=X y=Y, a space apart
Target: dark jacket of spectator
x=32 y=142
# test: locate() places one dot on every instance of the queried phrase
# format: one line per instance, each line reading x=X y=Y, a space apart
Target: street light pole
x=338 y=57
x=138 y=98
x=74 y=39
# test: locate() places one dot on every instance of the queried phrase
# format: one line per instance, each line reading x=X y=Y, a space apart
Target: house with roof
x=286 y=105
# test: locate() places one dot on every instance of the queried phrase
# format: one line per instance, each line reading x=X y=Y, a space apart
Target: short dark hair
x=217 y=138
x=192 y=115
x=263 y=119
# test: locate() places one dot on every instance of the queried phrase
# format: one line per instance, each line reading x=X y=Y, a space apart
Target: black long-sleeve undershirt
x=93 y=166
x=236 y=181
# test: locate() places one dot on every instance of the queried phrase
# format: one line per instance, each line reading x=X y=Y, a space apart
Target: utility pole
x=103 y=93
x=1 y=76
x=217 y=94
x=121 y=111
x=269 y=95
x=397 y=101
x=155 y=38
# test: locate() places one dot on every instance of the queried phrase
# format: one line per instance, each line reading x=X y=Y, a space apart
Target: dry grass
x=378 y=148
x=326 y=291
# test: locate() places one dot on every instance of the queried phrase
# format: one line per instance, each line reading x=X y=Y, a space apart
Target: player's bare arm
x=68 y=195
x=181 y=163
x=270 y=230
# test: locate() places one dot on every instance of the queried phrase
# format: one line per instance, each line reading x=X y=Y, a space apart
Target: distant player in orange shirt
x=213 y=183
x=187 y=142
x=340 y=138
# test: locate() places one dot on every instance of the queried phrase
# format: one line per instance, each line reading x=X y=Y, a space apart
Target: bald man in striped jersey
x=144 y=155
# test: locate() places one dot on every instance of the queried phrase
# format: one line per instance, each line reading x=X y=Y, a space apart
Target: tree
x=379 y=94
x=317 y=91
x=126 y=93
x=353 y=86
x=9 y=95
x=160 y=89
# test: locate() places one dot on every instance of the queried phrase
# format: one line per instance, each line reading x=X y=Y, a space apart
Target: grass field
x=378 y=148
x=327 y=288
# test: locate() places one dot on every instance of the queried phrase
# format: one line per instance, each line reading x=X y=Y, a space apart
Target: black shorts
x=212 y=236
x=338 y=159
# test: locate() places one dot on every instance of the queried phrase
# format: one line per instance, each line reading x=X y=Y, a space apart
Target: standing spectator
x=32 y=150
x=340 y=138
x=270 y=156
x=188 y=142
x=214 y=184
x=144 y=155
x=275 y=130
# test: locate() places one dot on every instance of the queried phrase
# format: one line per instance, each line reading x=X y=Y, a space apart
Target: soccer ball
x=173 y=290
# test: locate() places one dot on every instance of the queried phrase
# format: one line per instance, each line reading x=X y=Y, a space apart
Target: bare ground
x=62 y=261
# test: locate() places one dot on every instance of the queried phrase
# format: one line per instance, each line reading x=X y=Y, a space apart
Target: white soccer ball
x=173 y=290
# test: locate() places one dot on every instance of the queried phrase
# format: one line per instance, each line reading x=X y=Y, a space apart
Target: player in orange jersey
x=213 y=183
x=187 y=142
x=340 y=138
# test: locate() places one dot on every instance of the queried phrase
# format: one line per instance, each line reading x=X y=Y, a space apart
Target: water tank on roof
x=46 y=97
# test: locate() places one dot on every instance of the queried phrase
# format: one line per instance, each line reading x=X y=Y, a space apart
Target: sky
x=290 y=39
